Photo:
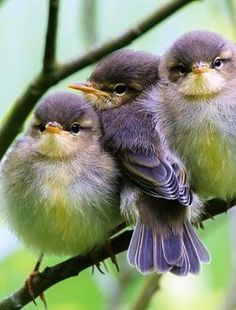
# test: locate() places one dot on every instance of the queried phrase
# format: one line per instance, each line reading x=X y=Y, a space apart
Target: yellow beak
x=52 y=129
x=88 y=88
x=200 y=68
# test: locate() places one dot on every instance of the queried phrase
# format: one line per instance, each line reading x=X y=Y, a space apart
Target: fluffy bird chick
x=163 y=239
x=198 y=110
x=59 y=185
x=119 y=78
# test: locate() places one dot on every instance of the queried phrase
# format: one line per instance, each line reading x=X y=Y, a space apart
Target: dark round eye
x=120 y=89
x=181 y=69
x=75 y=128
x=217 y=63
x=178 y=70
x=42 y=127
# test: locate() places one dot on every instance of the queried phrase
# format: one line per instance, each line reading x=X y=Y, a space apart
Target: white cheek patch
x=56 y=145
x=207 y=83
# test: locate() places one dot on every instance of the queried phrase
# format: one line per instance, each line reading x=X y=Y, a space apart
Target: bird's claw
x=28 y=282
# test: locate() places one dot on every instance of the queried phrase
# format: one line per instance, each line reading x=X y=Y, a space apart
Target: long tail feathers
x=179 y=253
x=139 y=253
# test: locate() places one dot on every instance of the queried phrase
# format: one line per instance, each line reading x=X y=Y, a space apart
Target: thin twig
x=122 y=40
x=150 y=286
x=14 y=119
x=49 y=58
x=73 y=266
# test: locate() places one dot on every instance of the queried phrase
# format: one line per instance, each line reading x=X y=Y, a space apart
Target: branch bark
x=69 y=268
x=73 y=266
x=150 y=286
x=49 y=59
x=13 y=121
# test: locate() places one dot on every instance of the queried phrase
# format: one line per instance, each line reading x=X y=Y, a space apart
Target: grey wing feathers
x=156 y=177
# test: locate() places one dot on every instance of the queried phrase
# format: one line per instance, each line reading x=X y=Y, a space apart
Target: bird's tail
x=178 y=252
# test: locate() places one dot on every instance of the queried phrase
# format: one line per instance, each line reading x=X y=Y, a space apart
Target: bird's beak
x=88 y=88
x=200 y=67
x=53 y=128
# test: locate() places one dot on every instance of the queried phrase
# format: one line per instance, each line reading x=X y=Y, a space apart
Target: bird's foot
x=94 y=255
x=110 y=252
x=97 y=263
x=28 y=282
x=199 y=224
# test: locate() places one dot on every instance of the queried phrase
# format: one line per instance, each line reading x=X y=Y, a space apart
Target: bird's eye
x=120 y=89
x=178 y=70
x=41 y=127
x=181 y=69
x=217 y=63
x=75 y=128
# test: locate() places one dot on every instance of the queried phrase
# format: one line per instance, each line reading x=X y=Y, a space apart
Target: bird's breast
x=209 y=152
x=56 y=207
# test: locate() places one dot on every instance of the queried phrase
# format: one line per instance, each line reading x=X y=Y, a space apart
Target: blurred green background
x=22 y=31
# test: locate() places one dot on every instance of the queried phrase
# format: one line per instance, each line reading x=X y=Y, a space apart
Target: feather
x=140 y=249
x=182 y=269
x=179 y=252
x=155 y=176
x=160 y=263
x=200 y=248
x=172 y=246
x=192 y=254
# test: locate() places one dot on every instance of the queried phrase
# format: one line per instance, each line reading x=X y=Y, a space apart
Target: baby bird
x=60 y=188
x=163 y=239
x=198 y=110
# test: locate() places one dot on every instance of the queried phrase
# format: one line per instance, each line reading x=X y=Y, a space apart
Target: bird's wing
x=156 y=177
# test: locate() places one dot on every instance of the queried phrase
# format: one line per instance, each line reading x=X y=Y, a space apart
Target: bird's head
x=199 y=64
x=64 y=125
x=119 y=78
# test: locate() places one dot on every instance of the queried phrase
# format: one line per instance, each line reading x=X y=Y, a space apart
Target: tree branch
x=69 y=268
x=49 y=58
x=73 y=266
x=13 y=121
x=150 y=286
x=122 y=40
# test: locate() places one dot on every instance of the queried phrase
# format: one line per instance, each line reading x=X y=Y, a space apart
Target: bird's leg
x=108 y=247
x=96 y=262
x=28 y=282
x=98 y=266
x=38 y=263
x=199 y=224
x=109 y=250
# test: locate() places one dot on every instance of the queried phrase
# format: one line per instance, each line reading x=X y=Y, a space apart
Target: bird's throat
x=202 y=85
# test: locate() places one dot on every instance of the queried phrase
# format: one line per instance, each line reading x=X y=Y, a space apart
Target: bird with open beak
x=60 y=187
x=198 y=110
x=155 y=182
